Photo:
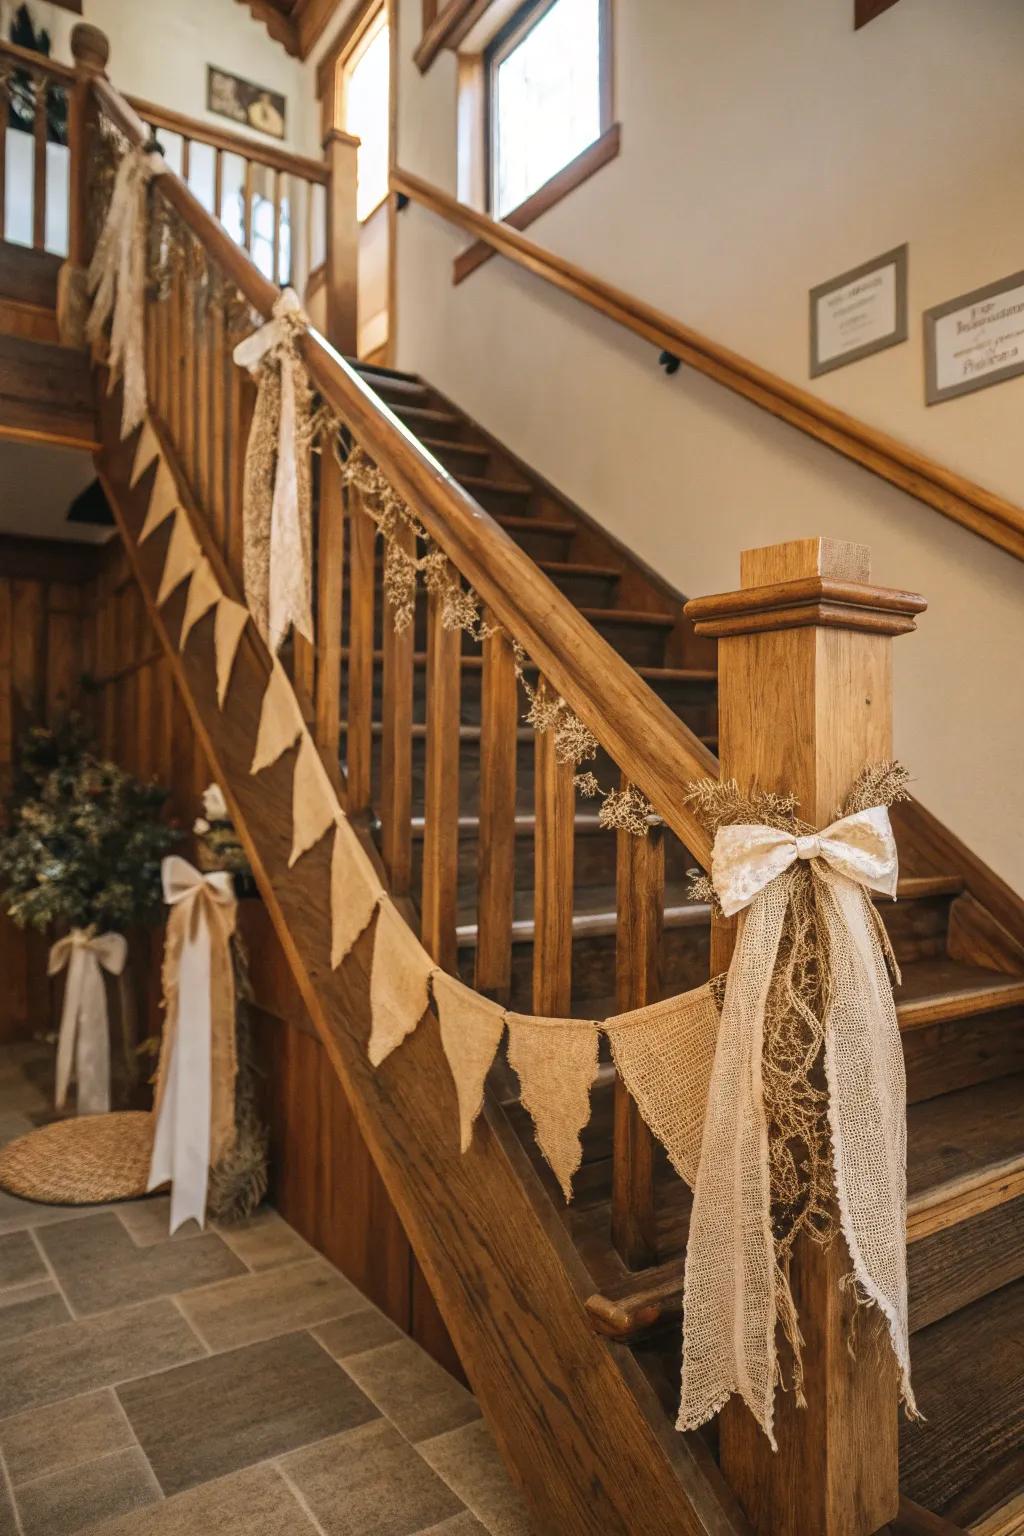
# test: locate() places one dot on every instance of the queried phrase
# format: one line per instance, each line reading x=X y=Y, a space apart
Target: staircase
x=566 y=1318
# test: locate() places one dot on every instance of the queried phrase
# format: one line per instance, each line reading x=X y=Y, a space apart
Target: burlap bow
x=194 y=1108
x=117 y=277
x=734 y=1296
x=277 y=531
x=84 y=1039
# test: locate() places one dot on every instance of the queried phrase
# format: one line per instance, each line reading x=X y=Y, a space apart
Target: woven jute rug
x=89 y=1160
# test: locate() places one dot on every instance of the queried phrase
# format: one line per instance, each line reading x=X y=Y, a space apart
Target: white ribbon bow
x=84 y=1038
x=117 y=276
x=290 y=597
x=730 y=1289
x=181 y=1144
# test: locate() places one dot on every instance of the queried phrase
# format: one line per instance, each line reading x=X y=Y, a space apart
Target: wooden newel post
x=90 y=50
x=342 y=259
x=805 y=700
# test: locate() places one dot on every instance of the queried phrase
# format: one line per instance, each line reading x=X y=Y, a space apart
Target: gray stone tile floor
x=228 y=1382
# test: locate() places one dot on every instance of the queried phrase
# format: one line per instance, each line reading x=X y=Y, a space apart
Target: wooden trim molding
x=450 y=25
x=866 y=10
x=985 y=513
x=552 y=192
x=231 y=143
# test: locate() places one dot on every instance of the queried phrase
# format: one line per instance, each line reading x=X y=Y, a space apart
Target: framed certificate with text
x=975 y=340
x=863 y=311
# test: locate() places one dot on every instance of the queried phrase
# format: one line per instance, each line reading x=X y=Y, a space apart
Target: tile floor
x=230 y=1381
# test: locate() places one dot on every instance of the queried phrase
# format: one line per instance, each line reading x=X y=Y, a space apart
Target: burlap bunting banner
x=555 y=1061
x=146 y=450
x=471 y=1030
x=314 y=802
x=280 y=720
x=355 y=891
x=203 y=592
x=399 y=982
x=163 y=500
x=228 y=625
x=183 y=555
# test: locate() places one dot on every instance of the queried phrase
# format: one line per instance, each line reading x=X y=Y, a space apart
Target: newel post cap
x=90 y=48
x=823 y=583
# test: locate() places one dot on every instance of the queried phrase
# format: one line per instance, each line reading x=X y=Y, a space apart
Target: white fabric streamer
x=290 y=597
x=181 y=1143
x=84 y=1040
x=730 y=1307
x=117 y=278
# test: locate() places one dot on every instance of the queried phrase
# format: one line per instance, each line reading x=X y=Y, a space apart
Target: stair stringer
x=573 y=1415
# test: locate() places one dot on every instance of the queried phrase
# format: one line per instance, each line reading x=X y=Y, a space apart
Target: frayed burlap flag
x=163 y=500
x=355 y=890
x=471 y=1029
x=556 y=1063
x=146 y=450
x=183 y=555
x=664 y=1054
x=203 y=592
x=314 y=803
x=228 y=625
x=399 y=982
x=280 y=720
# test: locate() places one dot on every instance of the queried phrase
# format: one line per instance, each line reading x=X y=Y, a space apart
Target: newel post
x=805 y=700
x=90 y=50
x=341 y=268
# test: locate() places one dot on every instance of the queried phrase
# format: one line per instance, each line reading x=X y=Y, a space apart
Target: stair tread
x=478 y=450
x=578 y=568
x=514 y=523
x=941 y=988
x=371 y=370
x=487 y=483
x=968 y=1372
x=629 y=616
x=427 y=413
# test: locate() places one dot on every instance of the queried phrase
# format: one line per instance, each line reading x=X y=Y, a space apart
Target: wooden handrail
x=36 y=63
x=647 y=741
x=231 y=143
x=992 y=517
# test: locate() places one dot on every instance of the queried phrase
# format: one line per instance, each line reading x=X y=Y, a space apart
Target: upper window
x=364 y=94
x=548 y=95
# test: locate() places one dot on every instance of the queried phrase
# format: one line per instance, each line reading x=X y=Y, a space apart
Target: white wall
x=765 y=149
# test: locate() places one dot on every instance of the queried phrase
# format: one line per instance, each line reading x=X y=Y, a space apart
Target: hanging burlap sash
x=83 y=1046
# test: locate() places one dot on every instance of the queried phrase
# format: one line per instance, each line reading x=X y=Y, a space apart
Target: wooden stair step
x=391 y=389
x=1005 y=1519
x=442 y=447
x=422 y=413
x=965 y=1215
x=968 y=1371
x=371 y=371
x=484 y=484
x=940 y=989
x=46 y=393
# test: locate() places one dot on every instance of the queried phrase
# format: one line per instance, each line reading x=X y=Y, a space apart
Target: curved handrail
x=284 y=160
x=37 y=63
x=992 y=517
x=646 y=740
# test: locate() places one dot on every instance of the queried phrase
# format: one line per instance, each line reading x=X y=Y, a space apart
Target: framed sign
x=241 y=101
x=863 y=311
x=975 y=340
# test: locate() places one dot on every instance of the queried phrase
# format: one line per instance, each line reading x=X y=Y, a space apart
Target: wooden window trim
x=344 y=44
x=561 y=184
x=866 y=10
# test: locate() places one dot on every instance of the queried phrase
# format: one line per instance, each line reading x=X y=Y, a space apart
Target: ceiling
x=40 y=482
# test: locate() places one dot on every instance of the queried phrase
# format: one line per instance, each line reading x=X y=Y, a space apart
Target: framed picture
x=975 y=340
x=253 y=105
x=860 y=312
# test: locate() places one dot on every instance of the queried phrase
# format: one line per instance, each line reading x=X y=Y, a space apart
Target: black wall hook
x=669 y=362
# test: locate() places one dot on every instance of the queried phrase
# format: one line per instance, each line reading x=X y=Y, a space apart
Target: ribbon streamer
x=733 y=1298
x=194 y=1109
x=84 y=1040
x=117 y=279
x=278 y=536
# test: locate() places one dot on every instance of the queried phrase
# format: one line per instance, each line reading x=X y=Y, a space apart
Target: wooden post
x=805 y=700
x=90 y=50
x=342 y=258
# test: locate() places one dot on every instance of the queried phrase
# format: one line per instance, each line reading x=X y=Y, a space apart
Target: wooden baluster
x=188 y=441
x=247 y=207
x=241 y=400
x=441 y=795
x=359 y=716
x=39 y=163
x=218 y=183
x=396 y=745
x=276 y=273
x=342 y=255
x=554 y=799
x=204 y=412
x=219 y=446
x=640 y=906
x=4 y=108
x=175 y=326
x=186 y=158
x=825 y=689
x=499 y=720
x=330 y=599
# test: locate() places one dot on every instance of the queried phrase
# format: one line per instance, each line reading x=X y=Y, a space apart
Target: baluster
x=175 y=361
x=4 y=109
x=640 y=903
x=204 y=422
x=186 y=158
x=218 y=182
x=359 y=716
x=499 y=720
x=39 y=164
x=188 y=443
x=247 y=207
x=241 y=400
x=219 y=447
x=330 y=599
x=341 y=258
x=276 y=270
x=441 y=795
x=396 y=745
x=554 y=848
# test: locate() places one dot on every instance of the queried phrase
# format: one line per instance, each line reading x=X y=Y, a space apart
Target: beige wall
x=767 y=148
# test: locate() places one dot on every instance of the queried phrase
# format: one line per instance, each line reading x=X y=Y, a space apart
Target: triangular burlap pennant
x=355 y=890
x=664 y=1054
x=230 y=620
x=556 y=1063
x=183 y=555
x=163 y=500
x=399 y=982
x=146 y=450
x=280 y=720
x=314 y=803
x=471 y=1028
x=203 y=592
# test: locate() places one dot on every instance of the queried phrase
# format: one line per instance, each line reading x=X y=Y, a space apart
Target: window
x=364 y=94
x=548 y=95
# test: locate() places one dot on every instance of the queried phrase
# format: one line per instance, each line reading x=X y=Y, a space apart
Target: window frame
x=506 y=40
x=373 y=18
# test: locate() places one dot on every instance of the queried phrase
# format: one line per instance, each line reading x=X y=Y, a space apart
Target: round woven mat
x=84 y=1161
